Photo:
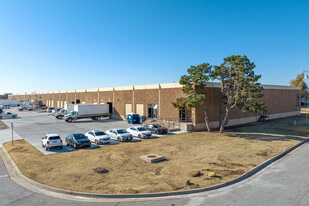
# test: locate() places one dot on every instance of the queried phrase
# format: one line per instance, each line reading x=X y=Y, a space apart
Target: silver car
x=120 y=135
x=98 y=136
x=8 y=115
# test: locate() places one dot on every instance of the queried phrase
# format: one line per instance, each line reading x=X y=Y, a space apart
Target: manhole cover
x=151 y=156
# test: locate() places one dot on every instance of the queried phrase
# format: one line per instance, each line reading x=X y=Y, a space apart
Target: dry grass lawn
x=3 y=126
x=230 y=154
x=304 y=110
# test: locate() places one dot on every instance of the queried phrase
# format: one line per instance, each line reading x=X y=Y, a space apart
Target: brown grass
x=228 y=155
x=304 y=110
x=3 y=126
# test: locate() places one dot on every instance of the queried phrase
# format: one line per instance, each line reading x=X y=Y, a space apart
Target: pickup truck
x=61 y=113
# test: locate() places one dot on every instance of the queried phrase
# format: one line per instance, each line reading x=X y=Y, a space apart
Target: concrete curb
x=9 y=160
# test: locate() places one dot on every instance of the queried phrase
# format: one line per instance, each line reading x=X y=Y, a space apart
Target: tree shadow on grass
x=272 y=130
x=266 y=137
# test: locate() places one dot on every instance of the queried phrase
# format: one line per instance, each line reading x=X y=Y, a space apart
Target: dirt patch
x=226 y=164
x=229 y=155
x=129 y=191
x=100 y=170
x=3 y=126
x=158 y=170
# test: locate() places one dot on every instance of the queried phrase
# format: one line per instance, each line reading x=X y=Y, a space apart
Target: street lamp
x=306 y=98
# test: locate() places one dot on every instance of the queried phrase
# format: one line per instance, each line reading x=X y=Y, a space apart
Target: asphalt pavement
x=32 y=126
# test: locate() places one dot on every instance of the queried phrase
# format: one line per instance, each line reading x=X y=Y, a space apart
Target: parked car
x=1 y=111
x=54 y=111
x=139 y=132
x=6 y=106
x=50 y=109
x=31 y=108
x=156 y=129
x=51 y=141
x=98 y=137
x=77 y=140
x=8 y=115
x=120 y=135
x=22 y=108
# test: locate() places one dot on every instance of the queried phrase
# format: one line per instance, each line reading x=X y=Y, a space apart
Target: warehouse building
x=154 y=101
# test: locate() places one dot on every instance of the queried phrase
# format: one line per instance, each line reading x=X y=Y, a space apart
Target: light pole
x=306 y=98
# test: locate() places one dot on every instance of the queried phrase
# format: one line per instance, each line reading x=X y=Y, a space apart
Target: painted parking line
x=1 y=176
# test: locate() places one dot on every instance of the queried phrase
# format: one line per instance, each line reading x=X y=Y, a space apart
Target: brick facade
x=280 y=100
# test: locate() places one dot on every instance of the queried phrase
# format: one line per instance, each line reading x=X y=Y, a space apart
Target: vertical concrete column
x=133 y=103
x=75 y=96
x=98 y=100
x=113 y=101
x=59 y=100
x=159 y=110
x=86 y=96
x=66 y=97
x=53 y=104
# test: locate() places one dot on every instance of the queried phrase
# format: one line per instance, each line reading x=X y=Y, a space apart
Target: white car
x=120 y=135
x=50 y=109
x=98 y=137
x=8 y=115
x=51 y=141
x=139 y=132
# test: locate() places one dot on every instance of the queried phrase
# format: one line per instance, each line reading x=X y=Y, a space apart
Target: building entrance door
x=182 y=115
x=152 y=110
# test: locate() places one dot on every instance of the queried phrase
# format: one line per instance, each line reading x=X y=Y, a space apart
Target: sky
x=57 y=45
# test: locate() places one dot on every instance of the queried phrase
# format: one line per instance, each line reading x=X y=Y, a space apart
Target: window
x=141 y=129
x=54 y=138
x=100 y=133
x=121 y=131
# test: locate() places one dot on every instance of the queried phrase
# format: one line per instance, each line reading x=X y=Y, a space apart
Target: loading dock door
x=139 y=109
x=110 y=107
x=128 y=109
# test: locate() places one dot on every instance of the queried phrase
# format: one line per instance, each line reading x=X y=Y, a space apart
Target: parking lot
x=33 y=125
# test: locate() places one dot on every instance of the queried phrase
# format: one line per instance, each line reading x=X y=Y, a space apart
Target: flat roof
x=157 y=86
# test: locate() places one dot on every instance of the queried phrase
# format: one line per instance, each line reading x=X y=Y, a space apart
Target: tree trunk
x=206 y=117
x=225 y=121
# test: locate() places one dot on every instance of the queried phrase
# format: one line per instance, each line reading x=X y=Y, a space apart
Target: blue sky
x=70 y=44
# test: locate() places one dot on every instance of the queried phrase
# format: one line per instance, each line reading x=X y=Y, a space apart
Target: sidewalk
x=6 y=136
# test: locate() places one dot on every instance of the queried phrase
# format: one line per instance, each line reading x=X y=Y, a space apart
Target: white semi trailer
x=93 y=111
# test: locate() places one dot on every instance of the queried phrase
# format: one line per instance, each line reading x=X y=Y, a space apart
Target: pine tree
x=239 y=86
x=194 y=85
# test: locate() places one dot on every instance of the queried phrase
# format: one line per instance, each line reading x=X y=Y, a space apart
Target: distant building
x=5 y=95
